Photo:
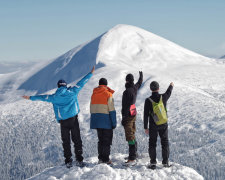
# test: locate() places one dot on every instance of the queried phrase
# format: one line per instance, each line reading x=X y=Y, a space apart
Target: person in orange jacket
x=103 y=118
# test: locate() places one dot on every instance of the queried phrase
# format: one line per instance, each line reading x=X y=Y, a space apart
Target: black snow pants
x=105 y=137
x=70 y=130
x=162 y=130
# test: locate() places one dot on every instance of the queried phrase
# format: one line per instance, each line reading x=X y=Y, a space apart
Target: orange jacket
x=103 y=114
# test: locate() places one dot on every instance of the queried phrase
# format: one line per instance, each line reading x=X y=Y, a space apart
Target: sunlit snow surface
x=30 y=138
x=97 y=171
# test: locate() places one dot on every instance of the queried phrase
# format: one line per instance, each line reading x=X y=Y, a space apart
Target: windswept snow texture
x=8 y=67
x=30 y=138
x=95 y=171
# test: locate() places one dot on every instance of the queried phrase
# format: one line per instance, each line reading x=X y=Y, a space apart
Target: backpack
x=159 y=113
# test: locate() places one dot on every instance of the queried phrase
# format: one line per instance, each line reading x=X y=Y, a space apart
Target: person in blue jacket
x=66 y=108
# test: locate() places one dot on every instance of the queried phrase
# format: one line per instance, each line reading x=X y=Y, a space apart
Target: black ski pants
x=70 y=130
x=162 y=130
x=105 y=137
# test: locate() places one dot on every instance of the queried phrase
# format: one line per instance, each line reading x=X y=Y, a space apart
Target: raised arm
x=168 y=92
x=83 y=81
x=140 y=80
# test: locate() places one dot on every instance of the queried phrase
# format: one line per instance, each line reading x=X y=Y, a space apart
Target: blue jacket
x=64 y=100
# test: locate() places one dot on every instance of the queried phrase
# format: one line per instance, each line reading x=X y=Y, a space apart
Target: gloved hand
x=140 y=73
x=113 y=127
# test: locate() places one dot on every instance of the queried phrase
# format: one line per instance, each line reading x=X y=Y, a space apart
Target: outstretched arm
x=83 y=81
x=47 y=98
x=140 y=80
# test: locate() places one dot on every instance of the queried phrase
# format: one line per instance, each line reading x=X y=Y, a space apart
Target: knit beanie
x=61 y=83
x=130 y=78
x=154 y=86
x=103 y=81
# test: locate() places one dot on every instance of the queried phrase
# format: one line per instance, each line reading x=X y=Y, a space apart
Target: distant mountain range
x=222 y=57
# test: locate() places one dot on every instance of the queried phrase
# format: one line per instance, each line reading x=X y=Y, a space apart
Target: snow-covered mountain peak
x=134 y=46
x=122 y=46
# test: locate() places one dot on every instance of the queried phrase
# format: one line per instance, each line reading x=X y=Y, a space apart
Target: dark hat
x=103 y=81
x=130 y=78
x=154 y=86
x=61 y=83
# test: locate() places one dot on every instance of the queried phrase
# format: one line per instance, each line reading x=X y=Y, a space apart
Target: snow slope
x=30 y=138
x=96 y=171
x=69 y=66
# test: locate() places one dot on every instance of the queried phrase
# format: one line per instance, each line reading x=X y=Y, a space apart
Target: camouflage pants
x=130 y=128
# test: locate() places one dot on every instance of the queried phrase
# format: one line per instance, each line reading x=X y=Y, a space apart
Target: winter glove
x=140 y=73
x=113 y=127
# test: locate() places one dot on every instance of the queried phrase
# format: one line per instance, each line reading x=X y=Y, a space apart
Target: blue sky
x=32 y=30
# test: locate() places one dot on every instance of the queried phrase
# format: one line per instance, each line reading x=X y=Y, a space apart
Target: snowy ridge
x=196 y=108
x=97 y=171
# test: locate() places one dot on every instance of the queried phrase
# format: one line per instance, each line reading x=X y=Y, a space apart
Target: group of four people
x=103 y=118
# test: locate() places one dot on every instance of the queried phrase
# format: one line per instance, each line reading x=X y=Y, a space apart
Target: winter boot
x=152 y=166
x=80 y=163
x=130 y=163
x=166 y=165
x=109 y=162
x=69 y=165
x=68 y=162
